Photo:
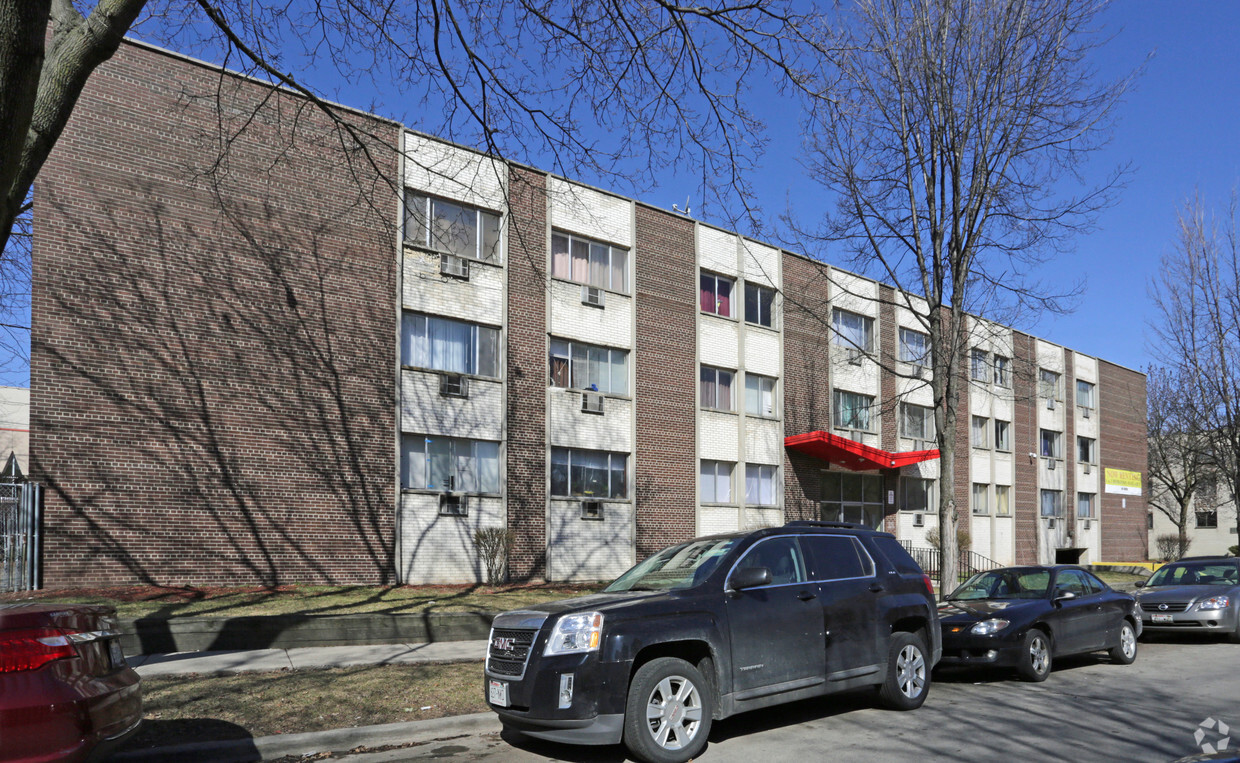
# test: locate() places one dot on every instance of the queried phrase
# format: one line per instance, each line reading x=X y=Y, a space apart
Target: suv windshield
x=677 y=567
x=1004 y=584
x=1200 y=573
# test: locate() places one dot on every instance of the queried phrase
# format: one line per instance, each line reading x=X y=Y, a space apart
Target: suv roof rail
x=818 y=523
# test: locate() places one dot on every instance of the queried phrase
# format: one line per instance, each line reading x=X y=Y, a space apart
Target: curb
x=309 y=743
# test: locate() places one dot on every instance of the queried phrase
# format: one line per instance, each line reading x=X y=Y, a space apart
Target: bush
x=494 y=544
x=1169 y=548
x=964 y=541
x=1234 y=550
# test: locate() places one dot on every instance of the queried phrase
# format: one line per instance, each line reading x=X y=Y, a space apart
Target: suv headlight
x=989 y=627
x=576 y=633
x=1214 y=602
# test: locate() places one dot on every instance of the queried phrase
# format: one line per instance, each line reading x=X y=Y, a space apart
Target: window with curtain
x=916 y=494
x=1048 y=384
x=592 y=263
x=577 y=365
x=760 y=485
x=578 y=473
x=1085 y=505
x=759 y=301
x=980 y=432
x=1003 y=435
x=1052 y=503
x=450 y=227
x=716 y=388
x=715 y=481
x=981 y=498
x=852 y=330
x=759 y=395
x=916 y=421
x=852 y=411
x=914 y=347
x=1050 y=444
x=1085 y=450
x=443 y=344
x=1002 y=507
x=449 y=464
x=1003 y=371
x=716 y=294
x=979 y=369
x=1084 y=394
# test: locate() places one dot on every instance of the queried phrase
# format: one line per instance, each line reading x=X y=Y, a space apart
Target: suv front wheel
x=668 y=715
x=908 y=673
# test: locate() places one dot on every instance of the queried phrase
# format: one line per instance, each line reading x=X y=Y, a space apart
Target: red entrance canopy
x=851 y=454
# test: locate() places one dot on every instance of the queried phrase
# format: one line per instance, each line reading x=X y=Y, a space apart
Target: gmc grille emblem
x=503 y=644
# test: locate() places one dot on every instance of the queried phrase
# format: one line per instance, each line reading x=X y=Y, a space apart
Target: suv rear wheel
x=908 y=673
x=668 y=715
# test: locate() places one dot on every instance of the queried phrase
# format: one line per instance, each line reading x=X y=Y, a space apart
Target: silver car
x=1198 y=594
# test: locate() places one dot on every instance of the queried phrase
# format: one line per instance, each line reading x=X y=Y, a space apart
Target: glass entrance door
x=851 y=497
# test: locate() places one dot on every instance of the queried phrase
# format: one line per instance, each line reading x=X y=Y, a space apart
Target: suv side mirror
x=749 y=577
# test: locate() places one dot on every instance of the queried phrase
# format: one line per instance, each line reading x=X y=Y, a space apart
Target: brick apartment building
x=285 y=367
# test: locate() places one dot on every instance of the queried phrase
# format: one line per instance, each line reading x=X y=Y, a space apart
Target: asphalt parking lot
x=1088 y=710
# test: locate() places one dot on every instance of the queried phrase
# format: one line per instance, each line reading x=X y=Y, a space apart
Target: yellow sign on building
x=1123 y=482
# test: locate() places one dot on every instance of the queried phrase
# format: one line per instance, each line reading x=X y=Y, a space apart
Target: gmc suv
x=714 y=627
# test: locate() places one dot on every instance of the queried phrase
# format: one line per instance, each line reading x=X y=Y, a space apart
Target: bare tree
x=949 y=135
x=1180 y=471
x=1197 y=295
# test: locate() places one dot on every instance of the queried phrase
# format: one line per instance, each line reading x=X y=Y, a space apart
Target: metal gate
x=21 y=516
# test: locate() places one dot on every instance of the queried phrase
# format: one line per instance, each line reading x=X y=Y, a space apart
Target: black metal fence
x=931 y=561
x=21 y=518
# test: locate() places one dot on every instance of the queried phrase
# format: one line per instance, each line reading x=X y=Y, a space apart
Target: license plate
x=1162 y=618
x=497 y=692
x=114 y=651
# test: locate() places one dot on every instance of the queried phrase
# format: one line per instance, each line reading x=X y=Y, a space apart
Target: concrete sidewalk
x=218 y=663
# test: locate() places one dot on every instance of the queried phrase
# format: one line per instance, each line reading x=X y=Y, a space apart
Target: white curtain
x=450 y=346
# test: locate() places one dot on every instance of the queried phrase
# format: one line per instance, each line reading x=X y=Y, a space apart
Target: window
x=1085 y=505
x=1085 y=450
x=578 y=365
x=1052 y=503
x=759 y=395
x=981 y=495
x=979 y=369
x=980 y=431
x=589 y=474
x=452 y=228
x=851 y=497
x=1050 y=444
x=1003 y=437
x=1149 y=521
x=917 y=494
x=717 y=389
x=715 y=481
x=759 y=302
x=760 y=485
x=1206 y=493
x=449 y=464
x=1003 y=371
x=853 y=330
x=1085 y=394
x=589 y=262
x=916 y=421
x=1002 y=507
x=1207 y=519
x=836 y=557
x=914 y=347
x=1048 y=384
x=782 y=556
x=443 y=344
x=852 y=411
x=716 y=294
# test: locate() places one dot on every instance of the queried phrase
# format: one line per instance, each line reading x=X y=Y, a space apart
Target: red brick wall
x=888 y=352
x=1025 y=505
x=1122 y=445
x=666 y=386
x=212 y=367
x=527 y=373
x=807 y=388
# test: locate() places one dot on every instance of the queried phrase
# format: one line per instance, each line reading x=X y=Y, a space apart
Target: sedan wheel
x=1035 y=662
x=1125 y=652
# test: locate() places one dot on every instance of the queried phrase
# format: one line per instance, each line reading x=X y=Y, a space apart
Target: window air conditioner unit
x=591 y=402
x=1050 y=464
x=856 y=435
x=919 y=520
x=454 y=385
x=919 y=372
x=451 y=265
x=591 y=509
x=1050 y=403
x=1087 y=467
x=855 y=356
x=1085 y=412
x=1050 y=522
x=593 y=296
x=453 y=505
x=1087 y=524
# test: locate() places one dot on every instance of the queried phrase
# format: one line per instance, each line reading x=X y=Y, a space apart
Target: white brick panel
x=980 y=466
x=1001 y=469
x=1084 y=367
x=915 y=391
x=440 y=169
x=593 y=214
x=906 y=531
x=438 y=549
x=1054 y=479
x=480 y=299
x=718 y=439
x=863 y=378
x=1087 y=483
x=761 y=263
x=583 y=549
x=979 y=531
x=855 y=294
x=755 y=518
x=1003 y=546
x=610 y=325
x=761 y=351
x=718 y=342
x=926 y=470
x=425 y=411
x=718 y=519
x=570 y=428
x=762 y=442
x=717 y=251
x=1050 y=356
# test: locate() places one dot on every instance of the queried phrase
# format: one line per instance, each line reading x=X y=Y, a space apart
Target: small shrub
x=494 y=544
x=964 y=541
x=1169 y=547
x=1234 y=550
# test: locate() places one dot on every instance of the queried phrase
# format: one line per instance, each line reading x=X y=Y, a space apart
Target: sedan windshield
x=1005 y=584
x=1199 y=573
x=676 y=567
